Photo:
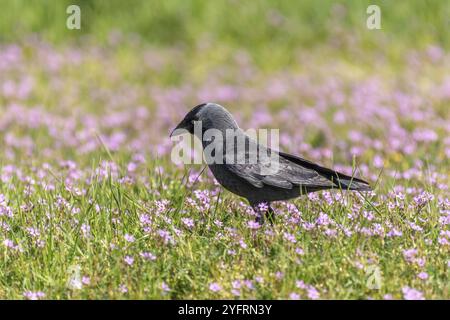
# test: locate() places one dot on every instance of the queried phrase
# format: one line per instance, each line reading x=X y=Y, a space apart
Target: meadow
x=92 y=207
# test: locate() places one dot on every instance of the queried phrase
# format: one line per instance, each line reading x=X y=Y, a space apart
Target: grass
x=284 y=25
x=201 y=255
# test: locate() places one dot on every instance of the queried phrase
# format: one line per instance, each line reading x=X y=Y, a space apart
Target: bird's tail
x=341 y=180
x=349 y=183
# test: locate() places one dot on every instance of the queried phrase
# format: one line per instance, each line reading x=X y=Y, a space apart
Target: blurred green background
x=257 y=26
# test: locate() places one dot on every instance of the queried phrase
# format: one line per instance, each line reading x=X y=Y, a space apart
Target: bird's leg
x=259 y=214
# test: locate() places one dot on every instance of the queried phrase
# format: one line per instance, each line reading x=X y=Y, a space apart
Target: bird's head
x=207 y=116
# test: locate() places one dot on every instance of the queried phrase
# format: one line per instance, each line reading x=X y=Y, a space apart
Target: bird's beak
x=176 y=131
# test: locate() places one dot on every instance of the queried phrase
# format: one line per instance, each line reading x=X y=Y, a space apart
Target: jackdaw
x=255 y=172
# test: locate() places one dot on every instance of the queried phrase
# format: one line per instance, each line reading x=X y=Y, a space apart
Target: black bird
x=257 y=173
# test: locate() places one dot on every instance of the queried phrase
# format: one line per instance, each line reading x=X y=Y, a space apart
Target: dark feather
x=339 y=179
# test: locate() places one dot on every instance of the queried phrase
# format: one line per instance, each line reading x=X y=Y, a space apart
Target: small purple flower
x=394 y=233
x=420 y=262
x=188 y=222
x=33 y=232
x=300 y=284
x=323 y=219
x=123 y=288
x=423 y=198
x=253 y=225
x=8 y=243
x=235 y=292
x=30 y=295
x=215 y=287
x=86 y=280
x=131 y=167
x=166 y=236
x=86 y=230
x=313 y=293
x=294 y=296
x=129 y=238
x=415 y=227
x=423 y=275
x=410 y=254
x=165 y=287
x=148 y=256
x=249 y=284
x=263 y=207
x=129 y=260
x=242 y=244
x=279 y=275
x=236 y=284
x=412 y=294
x=289 y=237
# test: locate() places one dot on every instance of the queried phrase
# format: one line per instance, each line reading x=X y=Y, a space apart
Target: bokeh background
x=286 y=25
x=86 y=177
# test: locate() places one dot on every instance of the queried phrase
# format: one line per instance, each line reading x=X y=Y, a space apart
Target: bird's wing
x=248 y=172
x=274 y=170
